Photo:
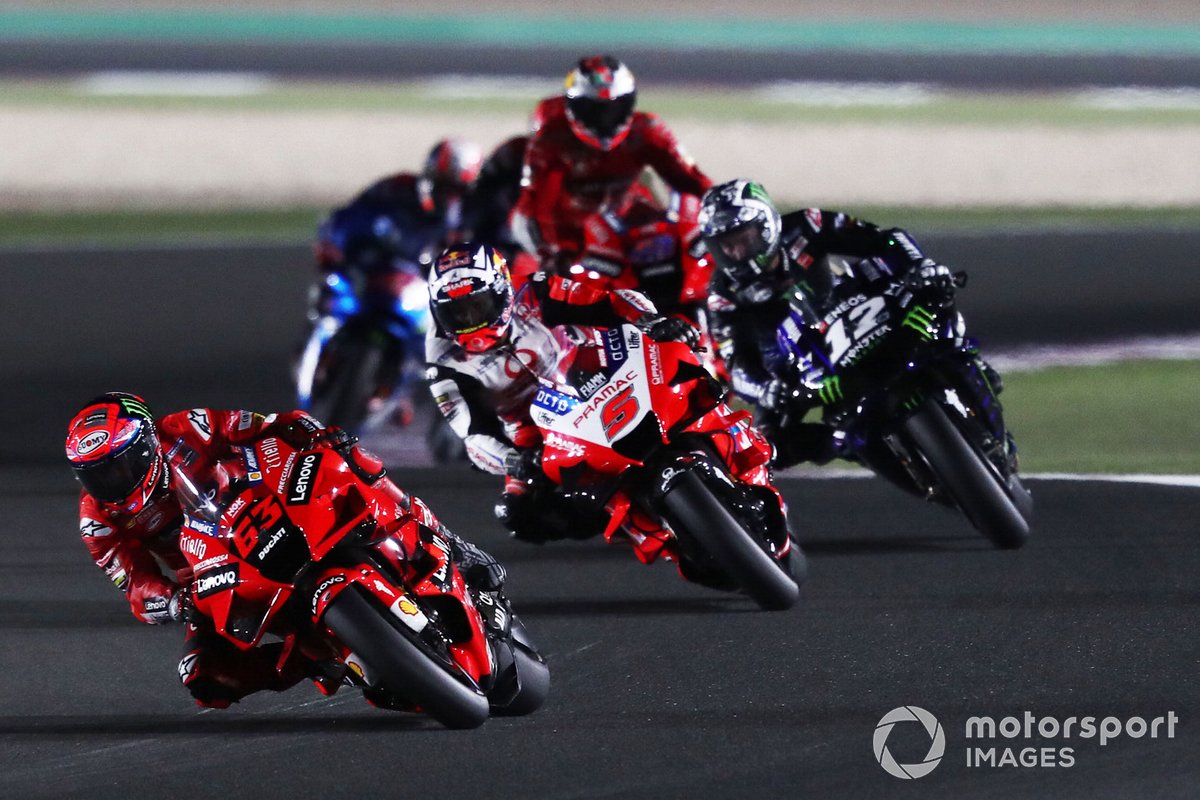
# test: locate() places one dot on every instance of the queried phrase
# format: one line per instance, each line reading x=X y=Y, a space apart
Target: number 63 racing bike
x=640 y=427
x=311 y=546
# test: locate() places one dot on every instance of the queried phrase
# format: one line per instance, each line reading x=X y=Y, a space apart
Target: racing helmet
x=451 y=166
x=114 y=451
x=471 y=295
x=600 y=94
x=742 y=229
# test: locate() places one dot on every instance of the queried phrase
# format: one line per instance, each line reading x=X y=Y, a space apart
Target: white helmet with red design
x=601 y=95
x=471 y=295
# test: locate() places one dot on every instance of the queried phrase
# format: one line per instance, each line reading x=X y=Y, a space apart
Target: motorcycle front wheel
x=976 y=487
x=402 y=665
x=703 y=518
x=343 y=401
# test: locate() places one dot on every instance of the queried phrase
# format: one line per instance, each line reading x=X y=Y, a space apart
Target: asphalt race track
x=660 y=689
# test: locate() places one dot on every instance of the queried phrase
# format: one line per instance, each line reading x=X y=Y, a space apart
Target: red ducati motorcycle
x=311 y=547
x=642 y=427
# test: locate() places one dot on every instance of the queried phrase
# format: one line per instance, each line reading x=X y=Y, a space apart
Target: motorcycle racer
x=587 y=153
x=130 y=519
x=395 y=225
x=761 y=257
x=489 y=346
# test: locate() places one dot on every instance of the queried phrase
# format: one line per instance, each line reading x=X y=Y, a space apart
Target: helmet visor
x=739 y=252
x=115 y=478
x=604 y=118
x=471 y=312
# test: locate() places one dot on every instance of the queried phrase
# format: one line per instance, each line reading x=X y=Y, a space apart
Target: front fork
x=306 y=370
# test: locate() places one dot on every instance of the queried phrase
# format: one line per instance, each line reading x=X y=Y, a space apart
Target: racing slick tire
x=972 y=481
x=344 y=401
x=705 y=520
x=404 y=666
x=533 y=676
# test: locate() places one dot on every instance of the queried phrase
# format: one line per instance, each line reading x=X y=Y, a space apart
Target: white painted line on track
x=844 y=95
x=121 y=83
x=1029 y=358
x=488 y=86
x=1184 y=481
x=1139 y=98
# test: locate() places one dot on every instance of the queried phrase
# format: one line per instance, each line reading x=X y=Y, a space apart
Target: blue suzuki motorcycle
x=363 y=356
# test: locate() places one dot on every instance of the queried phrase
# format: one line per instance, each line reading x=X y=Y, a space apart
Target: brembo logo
x=219 y=580
x=303 y=475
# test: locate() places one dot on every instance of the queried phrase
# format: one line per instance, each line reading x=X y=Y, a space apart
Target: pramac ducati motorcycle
x=640 y=426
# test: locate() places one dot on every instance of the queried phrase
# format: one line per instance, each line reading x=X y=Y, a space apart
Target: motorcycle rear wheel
x=702 y=517
x=976 y=487
x=402 y=666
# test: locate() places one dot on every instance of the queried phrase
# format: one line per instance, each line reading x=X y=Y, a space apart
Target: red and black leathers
x=565 y=179
x=129 y=547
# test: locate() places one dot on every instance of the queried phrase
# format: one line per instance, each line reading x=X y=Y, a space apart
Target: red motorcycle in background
x=642 y=427
x=311 y=547
x=634 y=241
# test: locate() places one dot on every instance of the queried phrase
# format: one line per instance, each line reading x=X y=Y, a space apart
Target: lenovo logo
x=303 y=476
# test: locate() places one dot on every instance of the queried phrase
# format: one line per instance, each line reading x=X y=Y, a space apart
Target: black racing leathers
x=743 y=319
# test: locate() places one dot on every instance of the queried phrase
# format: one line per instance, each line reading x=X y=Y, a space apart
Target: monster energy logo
x=831 y=390
x=921 y=321
x=758 y=192
x=911 y=403
x=136 y=408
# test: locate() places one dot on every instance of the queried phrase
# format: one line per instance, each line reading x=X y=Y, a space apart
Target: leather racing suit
x=485 y=397
x=564 y=179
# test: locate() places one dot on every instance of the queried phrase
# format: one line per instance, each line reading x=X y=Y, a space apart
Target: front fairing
x=612 y=401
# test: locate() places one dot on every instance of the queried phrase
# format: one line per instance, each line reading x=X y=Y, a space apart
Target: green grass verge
x=673 y=102
x=299 y=224
x=155 y=227
x=1141 y=416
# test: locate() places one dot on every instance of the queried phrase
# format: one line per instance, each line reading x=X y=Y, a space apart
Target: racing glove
x=780 y=396
x=932 y=277
x=668 y=329
x=180 y=607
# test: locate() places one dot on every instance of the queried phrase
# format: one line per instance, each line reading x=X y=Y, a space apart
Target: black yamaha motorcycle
x=908 y=396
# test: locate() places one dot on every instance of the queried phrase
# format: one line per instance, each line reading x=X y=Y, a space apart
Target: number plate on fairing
x=854 y=327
